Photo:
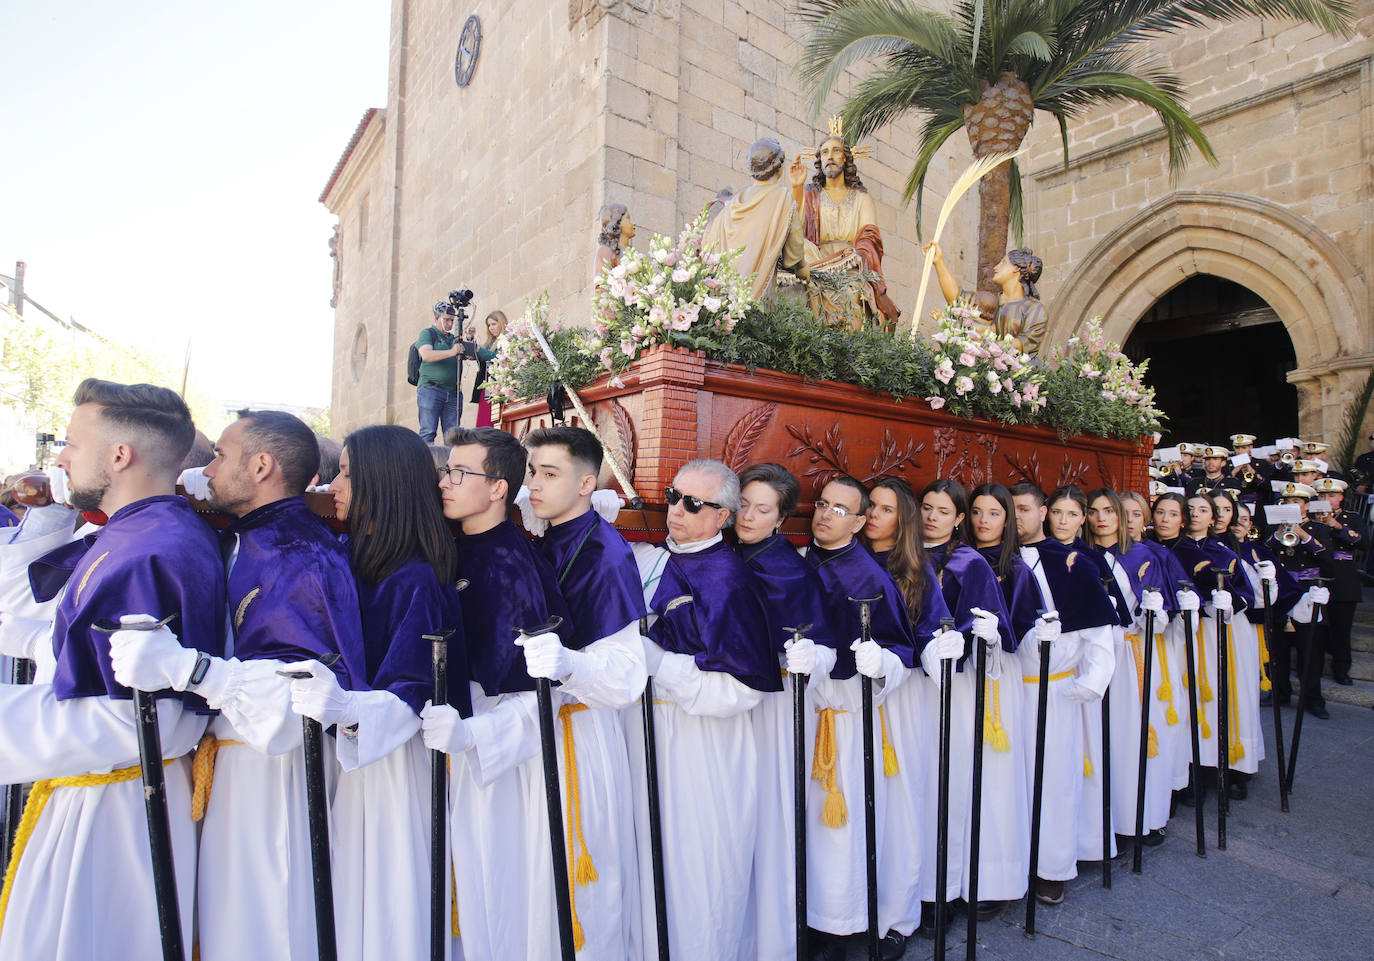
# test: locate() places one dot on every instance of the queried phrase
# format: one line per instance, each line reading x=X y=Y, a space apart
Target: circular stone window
x=358 y=359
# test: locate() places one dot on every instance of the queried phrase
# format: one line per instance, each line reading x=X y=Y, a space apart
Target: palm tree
x=988 y=65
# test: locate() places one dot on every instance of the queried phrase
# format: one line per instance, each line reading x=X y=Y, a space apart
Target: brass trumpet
x=1287 y=458
x=1288 y=537
x=1246 y=474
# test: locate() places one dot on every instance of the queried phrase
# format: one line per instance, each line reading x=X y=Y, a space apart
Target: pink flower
x=935 y=402
x=606 y=355
x=616 y=382
x=671 y=259
x=966 y=359
x=1031 y=390
x=1007 y=383
x=712 y=304
x=681 y=275
x=684 y=317
x=601 y=329
x=940 y=337
x=945 y=372
x=627 y=348
x=1016 y=397
x=963 y=385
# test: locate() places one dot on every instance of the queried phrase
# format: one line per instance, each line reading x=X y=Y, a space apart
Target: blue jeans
x=437 y=408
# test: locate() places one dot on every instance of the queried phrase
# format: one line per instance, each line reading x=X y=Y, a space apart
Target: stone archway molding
x=1290 y=262
x=1298 y=270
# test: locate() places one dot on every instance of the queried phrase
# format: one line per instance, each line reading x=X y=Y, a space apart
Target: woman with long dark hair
x=402 y=555
x=1140 y=578
x=893 y=533
x=976 y=602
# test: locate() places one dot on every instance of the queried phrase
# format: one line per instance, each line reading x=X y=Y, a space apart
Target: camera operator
x=441 y=367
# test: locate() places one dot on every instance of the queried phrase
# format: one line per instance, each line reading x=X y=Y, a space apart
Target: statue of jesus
x=840 y=221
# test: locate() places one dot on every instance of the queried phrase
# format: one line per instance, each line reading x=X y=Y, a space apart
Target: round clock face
x=469 y=45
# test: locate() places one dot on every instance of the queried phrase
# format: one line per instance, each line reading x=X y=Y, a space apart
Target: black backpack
x=413 y=366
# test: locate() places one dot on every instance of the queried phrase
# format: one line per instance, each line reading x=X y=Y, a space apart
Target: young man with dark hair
x=292 y=597
x=504 y=894
x=898 y=640
x=75 y=732
x=598 y=578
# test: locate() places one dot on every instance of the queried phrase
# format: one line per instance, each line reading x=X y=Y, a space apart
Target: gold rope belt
x=1152 y=739
x=580 y=867
x=1204 y=688
x=824 y=764
x=1235 y=750
x=993 y=731
x=203 y=773
x=1035 y=678
x=1165 y=691
x=33 y=810
x=1265 y=683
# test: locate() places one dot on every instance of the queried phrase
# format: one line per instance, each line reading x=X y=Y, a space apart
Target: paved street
x=1295 y=887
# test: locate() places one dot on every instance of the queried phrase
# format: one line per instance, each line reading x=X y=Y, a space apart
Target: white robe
x=708 y=775
x=499 y=826
x=83 y=890
x=1125 y=717
x=1004 y=844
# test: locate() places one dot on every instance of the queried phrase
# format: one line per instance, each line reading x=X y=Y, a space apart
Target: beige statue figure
x=840 y=221
x=1017 y=311
x=616 y=231
x=763 y=221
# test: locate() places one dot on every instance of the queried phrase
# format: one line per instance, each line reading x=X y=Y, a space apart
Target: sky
x=160 y=169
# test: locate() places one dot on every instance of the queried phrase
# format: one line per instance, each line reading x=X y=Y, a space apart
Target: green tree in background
x=987 y=66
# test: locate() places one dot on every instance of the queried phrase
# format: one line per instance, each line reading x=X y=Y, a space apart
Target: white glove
x=1320 y=595
x=150 y=660
x=1153 y=601
x=869 y=658
x=57 y=484
x=807 y=657
x=1048 y=629
x=1267 y=571
x=984 y=626
x=21 y=636
x=948 y=645
x=1222 y=604
x=653 y=655
x=320 y=696
x=1080 y=693
x=607 y=503
x=442 y=728
x=1189 y=601
x=545 y=656
x=195 y=482
x=535 y=525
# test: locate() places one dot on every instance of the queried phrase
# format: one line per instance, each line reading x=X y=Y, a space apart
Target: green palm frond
x=933 y=136
x=1350 y=429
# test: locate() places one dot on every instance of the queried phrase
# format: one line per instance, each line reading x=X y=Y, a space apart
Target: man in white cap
x=1346 y=590
x=1305 y=551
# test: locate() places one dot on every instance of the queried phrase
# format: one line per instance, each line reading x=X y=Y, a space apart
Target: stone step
x=1360 y=694
x=1361 y=665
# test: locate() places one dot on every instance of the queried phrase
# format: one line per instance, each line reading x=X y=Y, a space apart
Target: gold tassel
x=993 y=731
x=1165 y=691
x=1137 y=649
x=453 y=903
x=1152 y=745
x=1087 y=766
x=1204 y=685
x=1265 y=684
x=1235 y=750
x=889 y=752
x=834 y=813
x=580 y=866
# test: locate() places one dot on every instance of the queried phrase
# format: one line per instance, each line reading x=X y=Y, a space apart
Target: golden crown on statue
x=837 y=130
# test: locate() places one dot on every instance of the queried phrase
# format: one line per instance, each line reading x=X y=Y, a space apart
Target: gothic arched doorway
x=1219 y=356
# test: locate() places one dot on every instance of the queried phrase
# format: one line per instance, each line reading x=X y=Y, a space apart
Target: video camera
x=460 y=300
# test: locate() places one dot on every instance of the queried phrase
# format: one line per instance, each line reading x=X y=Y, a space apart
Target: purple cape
x=967 y=581
x=510 y=586
x=1168 y=572
x=409 y=603
x=794 y=592
x=726 y=626
x=154 y=556
x=1020 y=590
x=291 y=592
x=597 y=576
x=1124 y=614
x=1289 y=589
x=851 y=571
x=1225 y=559
x=1075 y=586
x=8 y=518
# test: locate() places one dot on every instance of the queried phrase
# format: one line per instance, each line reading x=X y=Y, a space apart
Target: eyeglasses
x=450 y=471
x=825 y=507
x=693 y=504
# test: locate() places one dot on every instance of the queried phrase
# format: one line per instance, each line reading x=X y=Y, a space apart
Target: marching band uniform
x=715 y=664
x=795 y=597
x=1346 y=586
x=1306 y=560
x=73 y=731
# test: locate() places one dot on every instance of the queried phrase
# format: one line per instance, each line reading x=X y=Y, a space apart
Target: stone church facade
x=496 y=185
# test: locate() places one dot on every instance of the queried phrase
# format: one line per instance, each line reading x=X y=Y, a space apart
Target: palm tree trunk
x=996 y=124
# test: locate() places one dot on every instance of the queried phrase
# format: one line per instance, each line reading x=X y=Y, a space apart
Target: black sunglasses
x=693 y=504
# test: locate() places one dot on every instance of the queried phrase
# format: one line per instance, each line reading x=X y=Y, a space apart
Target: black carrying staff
x=1146 y=694
x=1307 y=677
x=317 y=808
x=1196 y=780
x=155 y=800
x=1038 y=782
x=438 y=805
x=21 y=672
x=1106 y=774
x=799 y=796
x=976 y=813
x=1223 y=719
x=1272 y=668
x=870 y=788
x=651 y=783
x=554 y=800
x=942 y=797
